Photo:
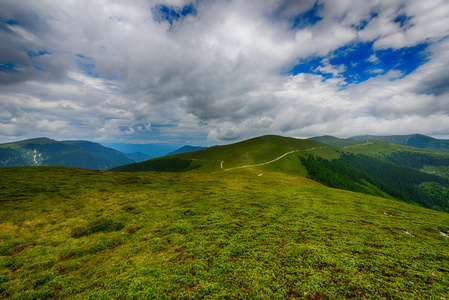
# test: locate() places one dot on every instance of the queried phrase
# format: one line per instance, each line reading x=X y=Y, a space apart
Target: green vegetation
x=334 y=141
x=48 y=152
x=250 y=152
x=82 y=234
x=230 y=222
x=384 y=170
x=412 y=140
x=417 y=160
x=360 y=173
x=161 y=165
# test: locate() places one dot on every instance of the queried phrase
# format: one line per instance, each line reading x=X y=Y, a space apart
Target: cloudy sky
x=217 y=71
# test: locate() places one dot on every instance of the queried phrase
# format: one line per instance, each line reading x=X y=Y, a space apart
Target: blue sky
x=359 y=62
x=210 y=72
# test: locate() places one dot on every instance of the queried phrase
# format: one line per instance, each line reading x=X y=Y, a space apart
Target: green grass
x=380 y=149
x=79 y=234
x=442 y=171
x=249 y=152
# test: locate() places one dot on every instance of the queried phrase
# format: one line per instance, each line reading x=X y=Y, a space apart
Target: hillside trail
x=364 y=144
x=268 y=162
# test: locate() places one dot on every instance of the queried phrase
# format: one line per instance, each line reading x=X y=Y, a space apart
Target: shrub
x=130 y=229
x=101 y=224
x=104 y=224
x=79 y=231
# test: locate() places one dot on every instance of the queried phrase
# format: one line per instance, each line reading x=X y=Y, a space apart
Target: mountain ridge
x=382 y=168
x=187 y=148
x=412 y=140
x=48 y=152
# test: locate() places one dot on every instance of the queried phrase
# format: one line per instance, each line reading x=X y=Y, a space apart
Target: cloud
x=220 y=70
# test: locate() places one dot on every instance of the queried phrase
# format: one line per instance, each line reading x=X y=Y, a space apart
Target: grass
x=81 y=234
x=380 y=149
x=249 y=152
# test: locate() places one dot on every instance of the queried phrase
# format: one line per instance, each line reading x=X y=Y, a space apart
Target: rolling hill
x=425 y=160
x=48 y=152
x=246 y=153
x=248 y=220
x=375 y=168
x=412 y=140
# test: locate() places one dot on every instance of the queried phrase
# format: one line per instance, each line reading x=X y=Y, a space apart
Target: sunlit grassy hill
x=82 y=234
x=384 y=169
x=253 y=152
x=413 y=140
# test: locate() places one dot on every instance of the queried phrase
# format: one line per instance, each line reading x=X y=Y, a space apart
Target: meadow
x=246 y=234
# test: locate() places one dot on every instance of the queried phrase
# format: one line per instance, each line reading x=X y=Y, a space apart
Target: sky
x=208 y=72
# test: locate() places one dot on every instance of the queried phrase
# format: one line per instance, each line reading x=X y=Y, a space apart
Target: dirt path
x=268 y=162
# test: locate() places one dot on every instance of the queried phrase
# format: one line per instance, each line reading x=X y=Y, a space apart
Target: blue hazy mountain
x=49 y=152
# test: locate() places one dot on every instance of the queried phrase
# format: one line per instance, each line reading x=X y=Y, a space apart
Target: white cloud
x=218 y=74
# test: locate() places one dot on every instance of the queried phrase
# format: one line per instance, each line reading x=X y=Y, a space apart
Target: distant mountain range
x=90 y=155
x=138 y=156
x=186 y=149
x=49 y=152
x=151 y=150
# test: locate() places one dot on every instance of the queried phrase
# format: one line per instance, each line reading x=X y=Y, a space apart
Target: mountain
x=150 y=149
x=395 y=174
x=138 y=156
x=250 y=152
x=425 y=160
x=48 y=152
x=187 y=148
x=102 y=152
x=412 y=140
x=332 y=140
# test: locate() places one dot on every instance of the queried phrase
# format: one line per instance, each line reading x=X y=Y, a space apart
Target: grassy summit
x=379 y=168
x=82 y=234
x=252 y=152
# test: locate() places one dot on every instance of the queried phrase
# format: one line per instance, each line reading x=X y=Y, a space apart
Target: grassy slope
x=332 y=140
x=381 y=149
x=229 y=234
x=415 y=140
x=249 y=152
x=378 y=148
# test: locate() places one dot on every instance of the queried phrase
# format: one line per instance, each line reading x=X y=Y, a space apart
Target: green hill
x=406 y=173
x=380 y=168
x=334 y=141
x=48 y=152
x=412 y=140
x=253 y=152
x=82 y=234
